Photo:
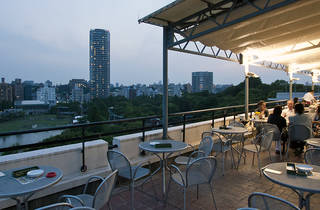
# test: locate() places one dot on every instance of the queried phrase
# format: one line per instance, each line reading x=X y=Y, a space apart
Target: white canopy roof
x=288 y=34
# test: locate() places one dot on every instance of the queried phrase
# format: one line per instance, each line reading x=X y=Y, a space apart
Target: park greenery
x=119 y=107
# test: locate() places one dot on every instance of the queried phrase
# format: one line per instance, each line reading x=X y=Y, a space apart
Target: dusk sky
x=42 y=39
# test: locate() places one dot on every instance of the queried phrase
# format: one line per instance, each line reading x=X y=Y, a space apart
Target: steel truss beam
x=196 y=48
x=182 y=33
x=212 y=12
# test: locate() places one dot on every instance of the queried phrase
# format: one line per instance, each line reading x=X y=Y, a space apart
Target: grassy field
x=41 y=121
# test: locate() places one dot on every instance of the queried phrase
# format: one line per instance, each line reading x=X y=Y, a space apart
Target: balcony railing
x=180 y=118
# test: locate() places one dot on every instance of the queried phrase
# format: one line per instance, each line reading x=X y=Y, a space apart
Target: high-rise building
x=5 y=91
x=47 y=94
x=99 y=63
x=202 y=81
x=17 y=90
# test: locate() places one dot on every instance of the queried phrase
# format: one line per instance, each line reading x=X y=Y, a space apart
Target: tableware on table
x=51 y=174
x=35 y=173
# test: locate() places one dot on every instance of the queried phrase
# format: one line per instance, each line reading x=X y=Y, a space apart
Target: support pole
x=165 y=84
x=246 y=102
x=290 y=90
x=246 y=93
x=291 y=82
x=312 y=87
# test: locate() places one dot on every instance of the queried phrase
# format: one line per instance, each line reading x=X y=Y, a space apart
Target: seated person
x=279 y=121
x=316 y=123
x=262 y=108
x=295 y=100
x=300 y=119
x=286 y=113
x=309 y=97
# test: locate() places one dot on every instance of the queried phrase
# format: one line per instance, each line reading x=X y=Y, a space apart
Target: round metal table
x=175 y=147
x=299 y=184
x=314 y=142
x=229 y=133
x=21 y=189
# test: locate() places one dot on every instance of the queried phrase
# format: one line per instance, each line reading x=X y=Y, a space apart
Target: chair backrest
x=266 y=140
x=298 y=133
x=263 y=201
x=206 y=145
x=119 y=161
x=104 y=191
x=56 y=206
x=312 y=156
x=201 y=170
x=217 y=142
x=271 y=127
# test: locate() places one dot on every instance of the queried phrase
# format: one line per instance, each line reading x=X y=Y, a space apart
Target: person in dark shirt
x=262 y=108
x=280 y=122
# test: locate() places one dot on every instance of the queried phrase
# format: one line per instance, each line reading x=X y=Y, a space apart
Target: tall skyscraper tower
x=99 y=63
x=202 y=81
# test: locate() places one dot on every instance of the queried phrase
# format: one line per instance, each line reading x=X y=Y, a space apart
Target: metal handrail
x=84 y=138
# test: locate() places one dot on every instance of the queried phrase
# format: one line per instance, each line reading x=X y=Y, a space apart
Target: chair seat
x=195 y=177
x=182 y=160
x=87 y=199
x=125 y=173
x=251 y=148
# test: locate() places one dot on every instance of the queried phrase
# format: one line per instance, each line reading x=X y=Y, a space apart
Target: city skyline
x=54 y=40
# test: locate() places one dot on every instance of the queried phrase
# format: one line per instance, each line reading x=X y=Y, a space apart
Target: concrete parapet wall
x=129 y=144
x=68 y=158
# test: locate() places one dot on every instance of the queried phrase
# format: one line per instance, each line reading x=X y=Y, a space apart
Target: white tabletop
x=176 y=146
x=12 y=187
x=313 y=142
x=230 y=130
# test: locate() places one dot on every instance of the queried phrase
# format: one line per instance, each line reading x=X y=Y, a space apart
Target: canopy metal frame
x=180 y=35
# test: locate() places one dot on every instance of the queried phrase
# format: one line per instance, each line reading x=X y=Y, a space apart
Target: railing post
x=142 y=152
x=184 y=128
x=234 y=114
x=83 y=167
x=143 y=131
x=212 y=117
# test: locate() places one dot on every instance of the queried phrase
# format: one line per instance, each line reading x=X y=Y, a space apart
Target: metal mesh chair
x=56 y=206
x=200 y=171
x=120 y=162
x=312 y=156
x=221 y=145
x=205 y=147
x=262 y=142
x=276 y=133
x=100 y=198
x=297 y=133
x=263 y=201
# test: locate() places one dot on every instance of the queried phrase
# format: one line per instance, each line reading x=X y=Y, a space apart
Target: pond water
x=29 y=138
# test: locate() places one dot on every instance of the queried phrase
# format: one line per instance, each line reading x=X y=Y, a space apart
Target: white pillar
x=291 y=81
x=246 y=100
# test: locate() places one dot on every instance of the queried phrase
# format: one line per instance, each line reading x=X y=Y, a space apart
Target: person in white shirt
x=309 y=97
x=289 y=111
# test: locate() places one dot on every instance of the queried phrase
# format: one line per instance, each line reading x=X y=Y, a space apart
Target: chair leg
x=167 y=193
x=184 y=198
x=253 y=158
x=258 y=157
x=214 y=201
x=132 y=194
x=223 y=154
x=109 y=206
x=197 y=191
x=287 y=153
x=270 y=155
